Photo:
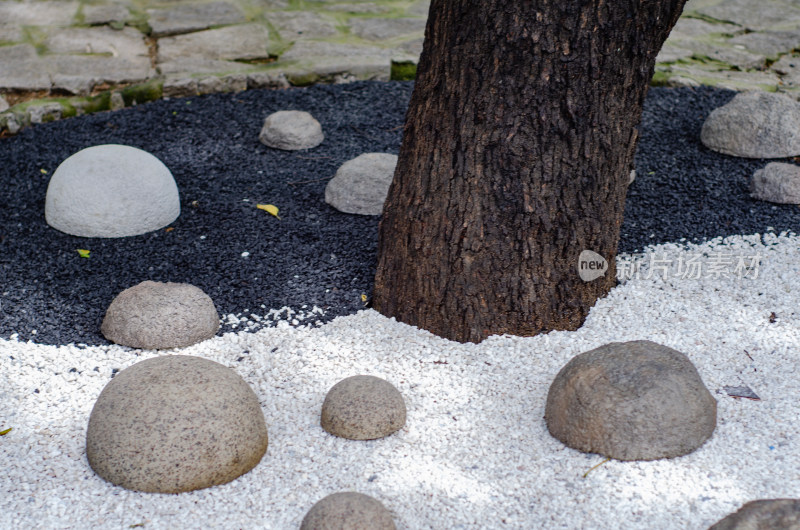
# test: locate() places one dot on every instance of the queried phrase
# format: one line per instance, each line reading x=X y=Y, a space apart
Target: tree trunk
x=518 y=145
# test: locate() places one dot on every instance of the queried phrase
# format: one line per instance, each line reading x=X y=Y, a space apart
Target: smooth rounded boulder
x=363 y=407
x=633 y=400
x=778 y=182
x=291 y=130
x=772 y=514
x=361 y=185
x=348 y=510
x=111 y=191
x=157 y=315
x=754 y=125
x=175 y=423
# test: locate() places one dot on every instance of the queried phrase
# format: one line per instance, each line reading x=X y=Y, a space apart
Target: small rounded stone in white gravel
x=175 y=423
x=157 y=315
x=363 y=407
x=348 y=510
x=291 y=130
x=111 y=191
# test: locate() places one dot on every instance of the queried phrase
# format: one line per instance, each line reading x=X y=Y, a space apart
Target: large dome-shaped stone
x=631 y=401
x=111 y=191
x=156 y=315
x=175 y=423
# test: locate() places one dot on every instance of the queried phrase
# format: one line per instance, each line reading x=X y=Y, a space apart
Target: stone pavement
x=60 y=58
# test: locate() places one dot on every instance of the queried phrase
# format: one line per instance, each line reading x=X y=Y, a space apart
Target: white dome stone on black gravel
x=777 y=182
x=111 y=191
x=765 y=514
x=291 y=130
x=633 y=400
x=754 y=125
x=158 y=315
x=348 y=510
x=362 y=184
x=175 y=423
x=363 y=407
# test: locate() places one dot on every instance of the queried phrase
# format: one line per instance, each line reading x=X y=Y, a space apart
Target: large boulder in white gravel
x=363 y=407
x=175 y=423
x=348 y=510
x=631 y=401
x=777 y=182
x=754 y=125
x=291 y=130
x=156 y=315
x=111 y=191
x=362 y=184
x=773 y=514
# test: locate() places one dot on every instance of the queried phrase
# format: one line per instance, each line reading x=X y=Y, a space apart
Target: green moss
x=97 y=103
x=150 y=91
x=403 y=71
x=660 y=78
x=302 y=78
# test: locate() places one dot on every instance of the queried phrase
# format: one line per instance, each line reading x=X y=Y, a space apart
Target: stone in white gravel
x=777 y=182
x=291 y=130
x=363 y=407
x=175 y=423
x=754 y=125
x=348 y=510
x=361 y=184
x=633 y=400
x=111 y=191
x=156 y=315
x=777 y=514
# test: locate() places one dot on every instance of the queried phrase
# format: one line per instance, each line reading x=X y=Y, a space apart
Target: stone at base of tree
x=175 y=423
x=777 y=182
x=291 y=130
x=772 y=514
x=754 y=125
x=631 y=401
x=361 y=184
x=87 y=192
x=156 y=315
x=348 y=510
x=3 y=104
x=363 y=407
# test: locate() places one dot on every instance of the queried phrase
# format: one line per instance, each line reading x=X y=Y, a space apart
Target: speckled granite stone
x=363 y=407
x=348 y=510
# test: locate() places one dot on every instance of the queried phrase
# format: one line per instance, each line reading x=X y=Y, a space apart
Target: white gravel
x=475 y=451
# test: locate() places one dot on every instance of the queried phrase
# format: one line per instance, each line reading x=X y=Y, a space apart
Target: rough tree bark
x=517 y=149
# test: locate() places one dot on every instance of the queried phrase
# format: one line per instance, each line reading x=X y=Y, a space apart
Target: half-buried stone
x=363 y=407
x=767 y=514
x=156 y=315
x=631 y=401
x=348 y=510
x=362 y=184
x=754 y=125
x=291 y=130
x=111 y=191
x=175 y=423
x=777 y=182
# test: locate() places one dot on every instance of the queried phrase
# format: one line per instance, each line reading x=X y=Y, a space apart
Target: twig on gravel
x=595 y=467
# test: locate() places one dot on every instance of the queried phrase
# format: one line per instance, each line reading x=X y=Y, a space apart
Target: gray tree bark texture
x=516 y=155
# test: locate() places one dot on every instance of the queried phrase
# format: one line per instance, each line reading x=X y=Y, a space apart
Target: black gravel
x=314 y=255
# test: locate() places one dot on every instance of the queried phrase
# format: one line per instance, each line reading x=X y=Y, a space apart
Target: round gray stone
x=111 y=191
x=348 y=511
x=362 y=184
x=291 y=130
x=777 y=182
x=175 y=423
x=631 y=401
x=363 y=407
x=754 y=125
x=773 y=514
x=156 y=315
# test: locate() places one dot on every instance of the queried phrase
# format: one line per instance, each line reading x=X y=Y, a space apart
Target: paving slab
x=79 y=74
x=768 y=43
x=762 y=15
x=193 y=17
x=105 y=14
x=47 y=13
x=360 y=9
x=191 y=66
x=22 y=69
x=126 y=44
x=294 y=26
x=382 y=29
x=694 y=75
x=243 y=42
x=10 y=33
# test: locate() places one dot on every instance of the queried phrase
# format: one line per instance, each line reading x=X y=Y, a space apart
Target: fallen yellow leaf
x=44 y=171
x=269 y=208
x=83 y=252
x=6 y=431
x=364 y=298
